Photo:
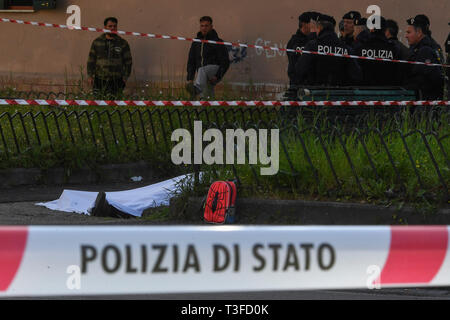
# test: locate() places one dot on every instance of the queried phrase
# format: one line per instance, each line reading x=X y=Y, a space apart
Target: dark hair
x=392 y=27
x=112 y=19
x=304 y=18
x=422 y=28
x=206 y=18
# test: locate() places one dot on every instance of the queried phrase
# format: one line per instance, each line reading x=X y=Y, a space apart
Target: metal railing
x=333 y=130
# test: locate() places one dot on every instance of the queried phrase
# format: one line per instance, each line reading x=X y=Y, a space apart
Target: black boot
x=102 y=207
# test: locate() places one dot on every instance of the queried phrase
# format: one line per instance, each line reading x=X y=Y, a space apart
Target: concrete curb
x=286 y=212
x=58 y=176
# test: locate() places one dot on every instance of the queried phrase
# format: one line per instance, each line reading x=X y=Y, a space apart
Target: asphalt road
x=17 y=207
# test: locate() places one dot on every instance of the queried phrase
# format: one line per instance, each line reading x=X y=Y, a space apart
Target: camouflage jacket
x=109 y=59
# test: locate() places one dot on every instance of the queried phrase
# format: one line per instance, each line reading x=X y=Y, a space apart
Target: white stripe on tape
x=56 y=261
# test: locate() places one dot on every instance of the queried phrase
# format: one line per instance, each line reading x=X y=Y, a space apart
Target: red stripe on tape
x=416 y=255
x=12 y=248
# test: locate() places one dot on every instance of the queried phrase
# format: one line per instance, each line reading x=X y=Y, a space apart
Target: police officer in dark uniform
x=447 y=47
x=436 y=46
x=298 y=42
x=392 y=34
x=447 y=70
x=321 y=70
x=349 y=26
x=426 y=79
x=379 y=73
x=361 y=33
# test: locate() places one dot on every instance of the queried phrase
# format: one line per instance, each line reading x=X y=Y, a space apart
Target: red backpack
x=220 y=205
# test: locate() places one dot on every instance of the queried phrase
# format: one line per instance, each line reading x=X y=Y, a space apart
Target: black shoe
x=192 y=90
x=101 y=208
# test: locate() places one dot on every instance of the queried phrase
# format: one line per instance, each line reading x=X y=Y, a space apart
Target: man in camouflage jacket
x=110 y=62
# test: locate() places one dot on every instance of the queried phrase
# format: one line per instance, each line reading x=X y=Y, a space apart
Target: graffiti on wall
x=237 y=54
x=270 y=54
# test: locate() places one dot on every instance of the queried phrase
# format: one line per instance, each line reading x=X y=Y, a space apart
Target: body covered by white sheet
x=133 y=202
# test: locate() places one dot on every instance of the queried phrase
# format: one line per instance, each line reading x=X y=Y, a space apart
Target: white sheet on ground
x=133 y=202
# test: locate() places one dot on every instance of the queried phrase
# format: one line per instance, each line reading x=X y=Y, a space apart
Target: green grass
x=365 y=168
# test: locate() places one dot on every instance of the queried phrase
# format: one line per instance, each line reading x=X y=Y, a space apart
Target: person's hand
x=213 y=80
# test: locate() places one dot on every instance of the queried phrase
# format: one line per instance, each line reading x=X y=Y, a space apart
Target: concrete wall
x=40 y=55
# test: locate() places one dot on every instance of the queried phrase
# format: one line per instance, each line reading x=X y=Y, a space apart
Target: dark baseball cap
x=305 y=17
x=424 y=18
x=352 y=15
x=314 y=15
x=419 y=21
x=326 y=18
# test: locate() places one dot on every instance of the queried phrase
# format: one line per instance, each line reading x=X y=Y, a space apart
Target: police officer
x=428 y=80
x=349 y=26
x=320 y=70
x=361 y=33
x=298 y=42
x=447 y=49
x=379 y=73
x=392 y=35
x=436 y=46
x=109 y=64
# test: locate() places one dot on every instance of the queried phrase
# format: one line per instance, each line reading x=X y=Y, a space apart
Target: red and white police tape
x=61 y=261
x=233 y=44
x=107 y=103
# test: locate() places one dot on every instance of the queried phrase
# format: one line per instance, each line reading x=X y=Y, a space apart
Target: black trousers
x=108 y=87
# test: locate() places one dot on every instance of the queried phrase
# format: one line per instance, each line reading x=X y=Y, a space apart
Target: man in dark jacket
x=447 y=49
x=349 y=26
x=428 y=80
x=322 y=70
x=447 y=69
x=436 y=46
x=209 y=61
x=392 y=34
x=379 y=73
x=109 y=64
x=447 y=46
x=298 y=42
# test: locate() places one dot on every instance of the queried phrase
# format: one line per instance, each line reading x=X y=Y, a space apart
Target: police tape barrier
x=62 y=261
x=232 y=44
x=106 y=103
